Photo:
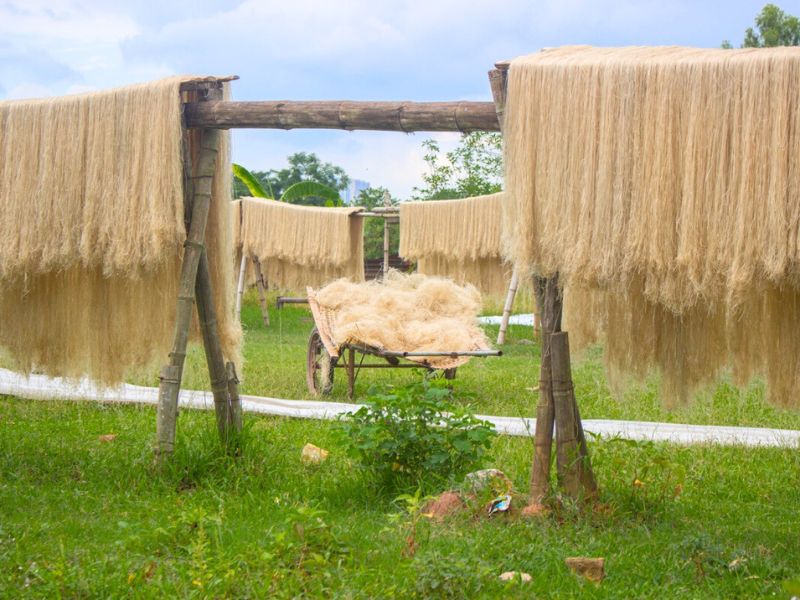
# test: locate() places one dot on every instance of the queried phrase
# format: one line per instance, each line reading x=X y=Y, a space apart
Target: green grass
x=85 y=518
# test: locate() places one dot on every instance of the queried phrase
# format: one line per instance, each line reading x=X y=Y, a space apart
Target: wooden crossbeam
x=335 y=114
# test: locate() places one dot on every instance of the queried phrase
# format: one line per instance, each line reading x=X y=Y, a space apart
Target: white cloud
x=63 y=21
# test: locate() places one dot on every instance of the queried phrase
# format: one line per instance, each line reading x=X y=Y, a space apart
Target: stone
x=446 y=504
x=312 y=455
x=493 y=479
x=592 y=569
x=518 y=575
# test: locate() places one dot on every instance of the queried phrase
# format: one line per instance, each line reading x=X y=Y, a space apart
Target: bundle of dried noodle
x=663 y=185
x=301 y=246
x=92 y=230
x=460 y=239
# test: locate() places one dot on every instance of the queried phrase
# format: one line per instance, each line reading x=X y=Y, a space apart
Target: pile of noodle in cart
x=402 y=313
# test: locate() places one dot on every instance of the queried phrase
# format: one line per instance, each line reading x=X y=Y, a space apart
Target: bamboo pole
x=512 y=292
x=574 y=467
x=385 y=247
x=199 y=198
x=387 y=204
x=335 y=114
x=236 y=400
x=548 y=303
x=551 y=315
x=240 y=285
x=216 y=363
x=261 y=285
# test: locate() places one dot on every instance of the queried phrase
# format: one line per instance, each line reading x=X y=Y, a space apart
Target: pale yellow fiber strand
x=663 y=184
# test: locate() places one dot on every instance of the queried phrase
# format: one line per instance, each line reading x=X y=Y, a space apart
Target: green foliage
x=251 y=182
x=415 y=433
x=649 y=477
x=311 y=189
x=474 y=168
x=80 y=518
x=773 y=28
x=446 y=576
x=306 y=166
x=373 y=228
x=302 y=192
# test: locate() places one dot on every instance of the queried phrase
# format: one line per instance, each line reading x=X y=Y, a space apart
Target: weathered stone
x=448 y=503
x=312 y=455
x=592 y=569
x=493 y=479
x=519 y=575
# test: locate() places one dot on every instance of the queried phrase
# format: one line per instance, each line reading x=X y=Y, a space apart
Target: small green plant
x=413 y=507
x=449 y=576
x=414 y=433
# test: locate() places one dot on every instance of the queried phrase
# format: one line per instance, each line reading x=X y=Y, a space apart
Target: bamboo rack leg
x=387 y=202
x=262 y=297
x=171 y=374
x=574 y=468
x=385 y=246
x=216 y=363
x=512 y=292
x=551 y=379
x=548 y=303
x=240 y=286
x=236 y=400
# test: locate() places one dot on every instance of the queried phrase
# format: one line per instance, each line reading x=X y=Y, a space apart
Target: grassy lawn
x=80 y=517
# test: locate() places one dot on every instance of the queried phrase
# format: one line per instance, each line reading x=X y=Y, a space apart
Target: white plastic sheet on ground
x=522 y=319
x=40 y=387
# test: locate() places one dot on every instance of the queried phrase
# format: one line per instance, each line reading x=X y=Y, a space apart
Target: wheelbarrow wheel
x=450 y=373
x=319 y=366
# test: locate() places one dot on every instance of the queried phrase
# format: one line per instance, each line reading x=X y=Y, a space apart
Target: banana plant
x=296 y=191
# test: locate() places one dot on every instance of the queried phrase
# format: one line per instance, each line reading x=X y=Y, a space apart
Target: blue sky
x=336 y=49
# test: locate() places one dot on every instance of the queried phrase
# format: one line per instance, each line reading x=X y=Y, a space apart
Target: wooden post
x=548 y=303
x=261 y=285
x=216 y=363
x=555 y=370
x=240 y=285
x=387 y=202
x=236 y=400
x=199 y=199
x=385 y=246
x=574 y=467
x=512 y=292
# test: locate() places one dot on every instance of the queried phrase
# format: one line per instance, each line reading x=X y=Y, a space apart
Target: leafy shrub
x=447 y=576
x=416 y=432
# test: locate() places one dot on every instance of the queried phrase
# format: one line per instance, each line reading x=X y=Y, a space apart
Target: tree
x=303 y=166
x=373 y=227
x=297 y=193
x=773 y=28
x=474 y=168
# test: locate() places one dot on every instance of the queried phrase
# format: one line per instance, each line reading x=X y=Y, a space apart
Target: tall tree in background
x=773 y=28
x=303 y=166
x=473 y=168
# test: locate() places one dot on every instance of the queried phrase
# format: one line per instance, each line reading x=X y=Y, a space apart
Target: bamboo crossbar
x=460 y=116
